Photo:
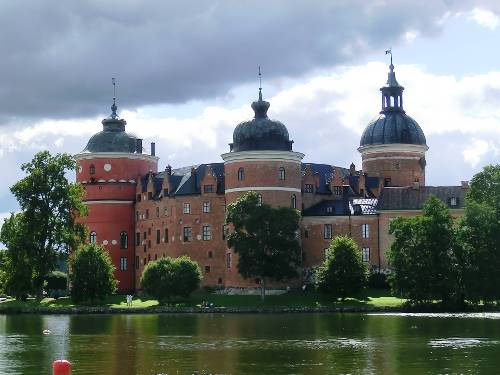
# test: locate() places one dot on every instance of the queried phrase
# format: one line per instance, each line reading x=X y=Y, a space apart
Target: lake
x=252 y=344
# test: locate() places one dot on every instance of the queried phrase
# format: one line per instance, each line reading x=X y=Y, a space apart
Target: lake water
x=252 y=344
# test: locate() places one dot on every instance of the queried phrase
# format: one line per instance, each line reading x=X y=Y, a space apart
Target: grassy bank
x=373 y=299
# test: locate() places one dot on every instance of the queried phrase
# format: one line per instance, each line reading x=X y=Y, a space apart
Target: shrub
x=91 y=273
x=166 y=277
x=56 y=283
x=378 y=280
x=343 y=273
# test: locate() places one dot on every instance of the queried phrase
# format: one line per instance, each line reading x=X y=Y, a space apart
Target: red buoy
x=61 y=367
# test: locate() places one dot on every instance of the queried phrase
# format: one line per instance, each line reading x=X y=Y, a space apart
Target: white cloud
x=410 y=36
x=485 y=18
x=478 y=148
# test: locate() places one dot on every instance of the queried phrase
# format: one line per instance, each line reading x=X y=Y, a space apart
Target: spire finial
x=113 y=107
x=260 y=85
x=389 y=52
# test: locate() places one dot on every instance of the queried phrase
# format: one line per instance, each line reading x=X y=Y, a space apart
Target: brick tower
x=261 y=160
x=108 y=169
x=393 y=145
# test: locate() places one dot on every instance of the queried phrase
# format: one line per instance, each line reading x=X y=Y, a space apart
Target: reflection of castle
x=140 y=214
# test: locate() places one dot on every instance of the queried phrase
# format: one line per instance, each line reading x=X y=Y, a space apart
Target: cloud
x=485 y=18
x=58 y=62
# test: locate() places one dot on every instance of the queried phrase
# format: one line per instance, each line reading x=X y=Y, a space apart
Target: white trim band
x=392 y=158
x=395 y=147
x=263 y=155
x=115 y=155
x=263 y=188
x=108 y=201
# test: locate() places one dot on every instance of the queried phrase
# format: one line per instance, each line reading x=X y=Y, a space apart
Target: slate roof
x=328 y=208
x=409 y=198
x=324 y=171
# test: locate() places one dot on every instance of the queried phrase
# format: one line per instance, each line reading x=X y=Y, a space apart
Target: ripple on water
x=485 y=315
x=461 y=342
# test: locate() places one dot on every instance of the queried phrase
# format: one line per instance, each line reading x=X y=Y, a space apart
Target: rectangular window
x=144 y=235
x=136 y=262
x=210 y=254
x=149 y=244
x=186 y=208
x=150 y=195
x=366 y=254
x=147 y=214
x=157 y=211
x=327 y=231
x=207 y=233
x=137 y=239
x=208 y=188
x=228 y=260
x=387 y=181
x=165 y=192
x=158 y=236
x=308 y=188
x=336 y=190
x=165 y=212
x=138 y=197
x=136 y=215
x=123 y=264
x=145 y=261
x=144 y=248
x=365 y=230
x=207 y=269
x=206 y=207
x=453 y=201
x=165 y=235
x=224 y=232
x=187 y=234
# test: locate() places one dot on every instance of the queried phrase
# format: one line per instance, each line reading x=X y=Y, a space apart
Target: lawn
x=292 y=299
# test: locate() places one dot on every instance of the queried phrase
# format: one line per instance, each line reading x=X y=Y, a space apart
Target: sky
x=186 y=75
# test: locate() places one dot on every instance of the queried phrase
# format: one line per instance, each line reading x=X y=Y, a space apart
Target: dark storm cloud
x=57 y=57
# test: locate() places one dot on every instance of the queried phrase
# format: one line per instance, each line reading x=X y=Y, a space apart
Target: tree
x=56 y=283
x=49 y=206
x=479 y=235
x=168 y=277
x=265 y=239
x=424 y=255
x=18 y=268
x=343 y=273
x=91 y=273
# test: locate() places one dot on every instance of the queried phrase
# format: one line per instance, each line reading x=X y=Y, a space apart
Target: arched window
x=241 y=174
x=92 y=169
x=282 y=173
x=259 y=200
x=294 y=201
x=93 y=237
x=123 y=240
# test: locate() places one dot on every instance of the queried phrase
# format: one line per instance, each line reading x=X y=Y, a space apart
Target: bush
x=56 y=283
x=91 y=273
x=378 y=280
x=165 y=278
x=343 y=273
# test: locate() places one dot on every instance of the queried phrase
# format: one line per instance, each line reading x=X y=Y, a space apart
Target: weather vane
x=260 y=84
x=389 y=52
x=113 y=107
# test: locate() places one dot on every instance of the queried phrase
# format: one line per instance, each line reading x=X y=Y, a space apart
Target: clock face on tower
x=107 y=167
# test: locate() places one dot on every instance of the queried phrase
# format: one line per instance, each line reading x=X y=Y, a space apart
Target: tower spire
x=260 y=85
x=114 y=107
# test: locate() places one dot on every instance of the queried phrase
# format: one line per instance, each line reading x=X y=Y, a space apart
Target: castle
x=139 y=214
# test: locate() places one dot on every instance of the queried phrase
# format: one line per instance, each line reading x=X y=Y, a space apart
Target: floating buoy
x=46 y=332
x=61 y=367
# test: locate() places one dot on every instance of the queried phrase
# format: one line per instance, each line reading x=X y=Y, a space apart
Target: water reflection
x=250 y=344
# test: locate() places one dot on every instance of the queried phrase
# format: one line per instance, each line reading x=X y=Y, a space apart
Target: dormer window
x=308 y=188
x=453 y=201
x=208 y=188
x=336 y=190
x=329 y=210
x=387 y=181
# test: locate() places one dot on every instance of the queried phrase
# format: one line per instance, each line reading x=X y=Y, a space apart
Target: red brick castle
x=139 y=214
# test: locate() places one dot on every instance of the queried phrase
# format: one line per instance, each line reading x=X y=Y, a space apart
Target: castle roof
x=409 y=198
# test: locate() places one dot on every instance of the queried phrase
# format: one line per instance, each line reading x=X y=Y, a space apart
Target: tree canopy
x=170 y=277
x=343 y=272
x=91 y=274
x=264 y=238
x=47 y=223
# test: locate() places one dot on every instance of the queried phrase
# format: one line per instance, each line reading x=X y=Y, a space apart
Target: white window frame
x=365 y=230
x=365 y=254
x=327 y=231
x=123 y=263
x=206 y=207
x=186 y=208
x=206 y=232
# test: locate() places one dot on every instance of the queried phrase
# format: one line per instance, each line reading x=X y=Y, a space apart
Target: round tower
x=261 y=159
x=393 y=145
x=108 y=168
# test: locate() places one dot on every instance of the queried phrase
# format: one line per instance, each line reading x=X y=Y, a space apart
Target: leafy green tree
x=343 y=273
x=480 y=236
x=91 y=273
x=168 y=277
x=424 y=255
x=56 y=283
x=49 y=206
x=265 y=239
x=18 y=268
x=3 y=269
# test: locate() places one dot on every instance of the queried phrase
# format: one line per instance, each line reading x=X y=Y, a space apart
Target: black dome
x=113 y=137
x=261 y=133
x=393 y=127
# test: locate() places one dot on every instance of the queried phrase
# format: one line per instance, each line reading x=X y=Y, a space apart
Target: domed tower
x=393 y=145
x=108 y=168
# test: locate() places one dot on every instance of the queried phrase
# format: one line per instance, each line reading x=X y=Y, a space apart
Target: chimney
x=465 y=184
x=153 y=149
x=168 y=169
x=138 y=146
x=352 y=169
